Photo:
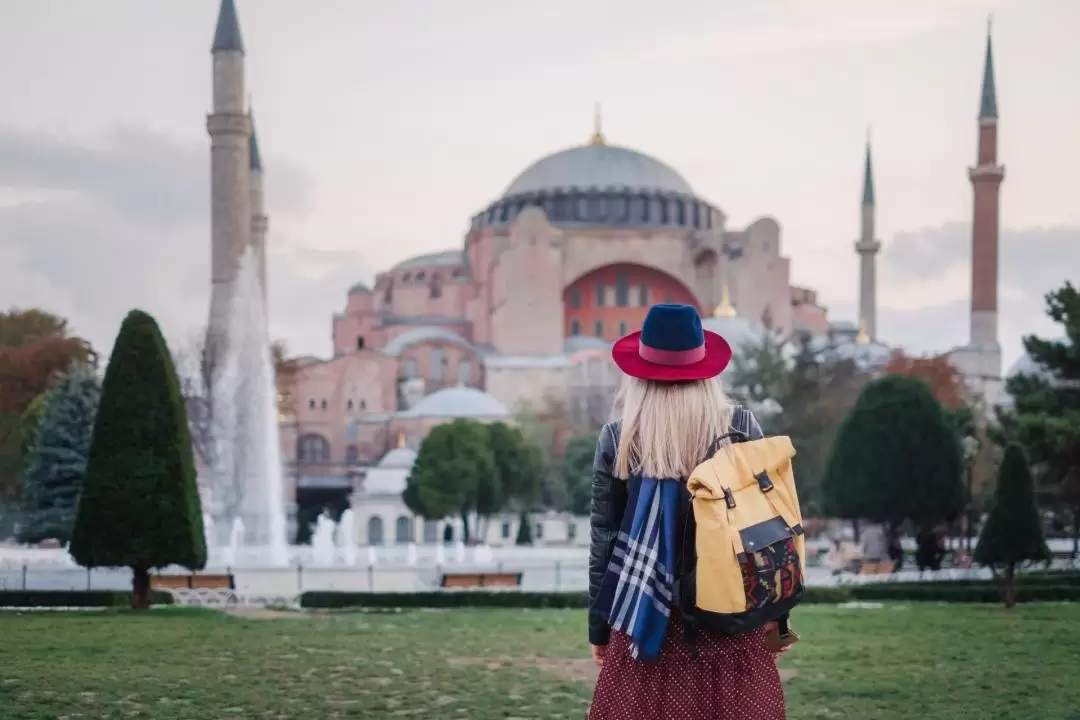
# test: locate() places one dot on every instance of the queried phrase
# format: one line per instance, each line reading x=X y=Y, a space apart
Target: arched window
x=435 y=286
x=599 y=328
x=575 y=327
x=622 y=328
x=374 y=530
x=643 y=295
x=680 y=212
x=437 y=364
x=431 y=532
x=312 y=449
x=575 y=298
x=600 y=294
x=622 y=290
x=403 y=530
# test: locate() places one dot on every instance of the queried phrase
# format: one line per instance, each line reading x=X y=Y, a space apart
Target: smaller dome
x=738 y=331
x=458 y=402
x=401 y=458
x=359 y=289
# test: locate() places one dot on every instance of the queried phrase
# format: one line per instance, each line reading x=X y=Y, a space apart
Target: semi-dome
x=458 y=402
x=599 y=166
x=402 y=458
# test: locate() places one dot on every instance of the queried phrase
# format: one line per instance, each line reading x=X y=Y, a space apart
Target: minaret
x=259 y=222
x=867 y=248
x=986 y=177
x=230 y=172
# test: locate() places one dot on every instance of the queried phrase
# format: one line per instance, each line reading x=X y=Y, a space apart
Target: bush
x=986 y=592
x=75 y=598
x=492 y=599
x=139 y=506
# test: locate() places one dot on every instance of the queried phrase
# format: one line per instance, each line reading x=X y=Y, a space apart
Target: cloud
x=92 y=227
x=926 y=284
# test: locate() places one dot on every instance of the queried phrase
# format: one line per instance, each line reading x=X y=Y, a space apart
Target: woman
x=672 y=412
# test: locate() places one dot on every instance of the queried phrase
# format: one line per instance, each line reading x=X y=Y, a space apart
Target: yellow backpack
x=744 y=549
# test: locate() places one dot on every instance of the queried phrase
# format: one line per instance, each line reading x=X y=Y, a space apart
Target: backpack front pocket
x=770 y=563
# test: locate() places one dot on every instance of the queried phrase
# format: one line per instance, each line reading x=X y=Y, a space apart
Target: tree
x=35 y=347
x=1044 y=416
x=54 y=476
x=139 y=506
x=454 y=460
x=518 y=466
x=895 y=457
x=524 y=533
x=577 y=472
x=946 y=384
x=1013 y=533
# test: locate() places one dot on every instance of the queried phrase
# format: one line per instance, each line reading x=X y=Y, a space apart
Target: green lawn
x=908 y=663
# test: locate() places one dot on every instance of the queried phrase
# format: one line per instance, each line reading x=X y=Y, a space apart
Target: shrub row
x=75 y=598
x=491 y=599
x=986 y=592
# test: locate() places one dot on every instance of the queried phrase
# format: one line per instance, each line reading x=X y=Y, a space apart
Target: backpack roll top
x=749 y=542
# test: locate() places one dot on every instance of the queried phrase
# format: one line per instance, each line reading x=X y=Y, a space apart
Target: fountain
x=323 y=550
x=245 y=484
x=346 y=543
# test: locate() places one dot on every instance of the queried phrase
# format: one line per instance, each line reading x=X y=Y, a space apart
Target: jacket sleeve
x=605 y=516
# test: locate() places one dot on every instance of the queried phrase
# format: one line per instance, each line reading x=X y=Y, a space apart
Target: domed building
x=566 y=260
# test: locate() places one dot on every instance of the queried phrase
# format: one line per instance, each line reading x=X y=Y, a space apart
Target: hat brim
x=626 y=357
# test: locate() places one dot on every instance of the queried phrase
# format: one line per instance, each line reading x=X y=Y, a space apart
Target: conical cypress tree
x=140 y=507
x=1013 y=533
x=54 y=476
x=524 y=533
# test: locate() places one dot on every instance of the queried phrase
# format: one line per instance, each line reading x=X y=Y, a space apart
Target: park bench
x=192 y=581
x=876 y=568
x=463 y=580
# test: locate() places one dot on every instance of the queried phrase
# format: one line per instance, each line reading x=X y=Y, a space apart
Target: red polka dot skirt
x=732 y=678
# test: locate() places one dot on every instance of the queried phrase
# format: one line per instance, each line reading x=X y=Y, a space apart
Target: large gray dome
x=599 y=166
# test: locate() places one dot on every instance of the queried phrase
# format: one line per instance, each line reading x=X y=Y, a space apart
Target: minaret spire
x=229 y=127
x=982 y=363
x=988 y=98
x=598 y=128
x=867 y=248
x=227 y=33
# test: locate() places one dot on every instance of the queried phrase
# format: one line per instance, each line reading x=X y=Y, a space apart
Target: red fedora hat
x=671 y=347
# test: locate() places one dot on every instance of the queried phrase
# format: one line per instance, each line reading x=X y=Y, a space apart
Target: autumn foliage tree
x=936 y=371
x=35 y=347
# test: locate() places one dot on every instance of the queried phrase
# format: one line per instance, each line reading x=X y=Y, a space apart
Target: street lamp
x=970 y=445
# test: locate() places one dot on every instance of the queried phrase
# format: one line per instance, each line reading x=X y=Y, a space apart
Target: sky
x=385 y=126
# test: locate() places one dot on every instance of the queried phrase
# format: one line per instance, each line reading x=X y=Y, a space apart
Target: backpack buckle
x=729 y=498
x=763 y=481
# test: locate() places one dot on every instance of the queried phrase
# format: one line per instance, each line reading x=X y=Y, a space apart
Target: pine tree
x=895 y=457
x=1013 y=533
x=524 y=533
x=54 y=476
x=139 y=507
x=1044 y=416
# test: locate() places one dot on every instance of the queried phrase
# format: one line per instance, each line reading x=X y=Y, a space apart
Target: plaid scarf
x=637 y=587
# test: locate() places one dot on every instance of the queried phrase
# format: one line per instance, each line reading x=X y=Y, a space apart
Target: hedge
x=491 y=599
x=75 y=598
x=986 y=592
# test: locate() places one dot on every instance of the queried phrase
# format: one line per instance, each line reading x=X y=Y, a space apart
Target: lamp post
x=970 y=445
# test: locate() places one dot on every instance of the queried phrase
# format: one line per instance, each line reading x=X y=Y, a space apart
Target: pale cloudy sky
x=385 y=125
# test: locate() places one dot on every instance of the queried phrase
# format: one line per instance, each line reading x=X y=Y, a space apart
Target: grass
x=900 y=662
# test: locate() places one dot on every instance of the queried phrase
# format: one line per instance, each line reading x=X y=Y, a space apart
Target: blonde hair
x=667 y=427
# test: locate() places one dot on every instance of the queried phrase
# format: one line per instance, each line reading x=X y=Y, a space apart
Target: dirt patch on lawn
x=576 y=669
x=257 y=613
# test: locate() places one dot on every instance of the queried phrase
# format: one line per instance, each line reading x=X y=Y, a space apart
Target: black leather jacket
x=608 y=504
x=605 y=516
